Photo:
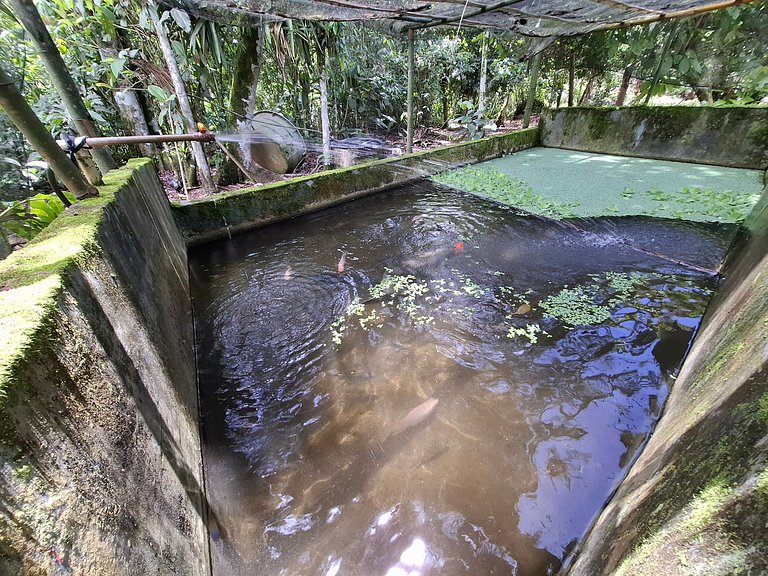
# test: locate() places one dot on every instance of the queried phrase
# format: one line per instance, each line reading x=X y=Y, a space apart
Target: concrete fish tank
x=530 y=354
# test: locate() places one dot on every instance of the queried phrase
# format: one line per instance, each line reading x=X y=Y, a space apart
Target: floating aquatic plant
x=576 y=307
x=529 y=331
x=503 y=188
x=695 y=202
x=595 y=302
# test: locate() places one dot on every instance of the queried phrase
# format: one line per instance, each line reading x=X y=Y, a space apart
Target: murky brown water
x=469 y=414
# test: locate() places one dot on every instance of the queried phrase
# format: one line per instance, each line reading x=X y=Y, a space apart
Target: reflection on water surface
x=461 y=399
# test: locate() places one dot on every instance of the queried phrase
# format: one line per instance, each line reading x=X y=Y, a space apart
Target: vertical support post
x=203 y=169
x=17 y=109
x=571 y=75
x=409 y=130
x=532 y=89
x=483 y=75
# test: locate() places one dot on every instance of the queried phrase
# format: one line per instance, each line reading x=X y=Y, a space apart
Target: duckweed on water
x=590 y=303
x=529 y=331
x=687 y=203
x=719 y=206
x=576 y=307
x=503 y=188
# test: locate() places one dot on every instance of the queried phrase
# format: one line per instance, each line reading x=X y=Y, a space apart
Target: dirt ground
x=423 y=139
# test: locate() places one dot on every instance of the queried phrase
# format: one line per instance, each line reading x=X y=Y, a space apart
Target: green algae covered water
x=424 y=382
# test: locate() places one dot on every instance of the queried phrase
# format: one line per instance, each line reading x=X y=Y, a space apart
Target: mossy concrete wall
x=736 y=137
x=696 y=500
x=100 y=461
x=231 y=212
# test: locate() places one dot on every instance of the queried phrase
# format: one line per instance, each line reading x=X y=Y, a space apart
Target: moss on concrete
x=721 y=136
x=32 y=278
x=758 y=134
x=234 y=211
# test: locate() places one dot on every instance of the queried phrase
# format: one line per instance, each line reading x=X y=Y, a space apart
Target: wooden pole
x=30 y=18
x=571 y=77
x=483 y=75
x=409 y=129
x=203 y=169
x=325 y=119
x=532 y=89
x=17 y=109
x=656 y=17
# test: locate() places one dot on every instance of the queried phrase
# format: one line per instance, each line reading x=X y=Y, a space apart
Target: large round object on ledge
x=279 y=146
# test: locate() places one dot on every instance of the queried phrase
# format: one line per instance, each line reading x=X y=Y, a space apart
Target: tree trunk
x=444 y=87
x=325 y=124
x=306 y=88
x=501 y=120
x=571 y=78
x=532 y=89
x=483 y=76
x=130 y=109
x=204 y=171
x=17 y=109
x=30 y=18
x=625 y=78
x=409 y=97
x=242 y=102
x=134 y=120
x=584 y=100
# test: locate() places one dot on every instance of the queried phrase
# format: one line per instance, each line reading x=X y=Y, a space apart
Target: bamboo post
x=571 y=77
x=483 y=75
x=409 y=129
x=30 y=18
x=203 y=169
x=532 y=89
x=17 y=109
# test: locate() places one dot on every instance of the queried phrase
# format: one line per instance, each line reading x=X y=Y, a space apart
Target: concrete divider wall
x=735 y=137
x=696 y=499
x=100 y=461
x=231 y=212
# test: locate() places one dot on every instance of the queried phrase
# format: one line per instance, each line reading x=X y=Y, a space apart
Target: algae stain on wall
x=99 y=455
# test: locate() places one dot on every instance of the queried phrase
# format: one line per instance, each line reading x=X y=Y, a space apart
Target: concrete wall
x=696 y=500
x=100 y=466
x=735 y=137
x=227 y=213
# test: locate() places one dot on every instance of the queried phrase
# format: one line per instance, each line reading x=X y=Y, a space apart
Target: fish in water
x=522 y=309
x=458 y=248
x=429 y=258
x=288 y=274
x=342 y=265
x=413 y=418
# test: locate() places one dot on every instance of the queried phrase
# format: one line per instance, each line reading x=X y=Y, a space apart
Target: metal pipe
x=98 y=142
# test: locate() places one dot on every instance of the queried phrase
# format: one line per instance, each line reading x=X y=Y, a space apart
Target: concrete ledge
x=227 y=213
x=736 y=137
x=100 y=465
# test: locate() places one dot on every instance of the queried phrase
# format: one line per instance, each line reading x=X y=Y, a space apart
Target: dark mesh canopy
x=537 y=18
